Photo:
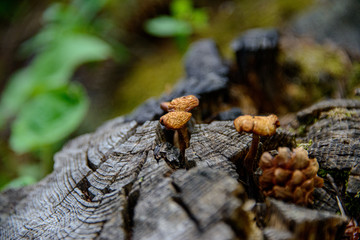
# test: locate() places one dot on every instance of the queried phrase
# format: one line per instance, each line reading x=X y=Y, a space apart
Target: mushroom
x=177 y=117
x=258 y=126
x=165 y=106
x=185 y=103
x=283 y=179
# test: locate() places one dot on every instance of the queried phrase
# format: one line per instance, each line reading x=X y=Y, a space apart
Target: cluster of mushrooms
x=176 y=119
x=290 y=175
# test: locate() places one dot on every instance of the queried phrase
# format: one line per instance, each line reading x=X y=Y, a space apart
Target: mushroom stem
x=249 y=160
x=183 y=144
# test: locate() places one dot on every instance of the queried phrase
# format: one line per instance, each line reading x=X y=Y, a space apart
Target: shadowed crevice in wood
x=90 y=164
x=84 y=185
x=176 y=187
x=128 y=214
x=234 y=224
x=187 y=210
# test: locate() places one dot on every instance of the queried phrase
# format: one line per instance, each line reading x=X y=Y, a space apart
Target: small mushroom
x=185 y=103
x=177 y=117
x=165 y=106
x=175 y=120
x=258 y=126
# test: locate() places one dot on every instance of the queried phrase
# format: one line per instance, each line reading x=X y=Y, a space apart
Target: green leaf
x=165 y=26
x=50 y=70
x=17 y=91
x=48 y=118
x=53 y=68
x=181 y=9
x=19 y=182
x=89 y=8
x=199 y=18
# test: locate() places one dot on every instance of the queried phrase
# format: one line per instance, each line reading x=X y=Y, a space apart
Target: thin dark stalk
x=249 y=161
x=250 y=165
x=183 y=144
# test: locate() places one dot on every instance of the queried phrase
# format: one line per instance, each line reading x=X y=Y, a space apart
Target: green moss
x=357 y=195
x=319 y=70
x=301 y=130
x=305 y=145
x=314 y=58
x=339 y=113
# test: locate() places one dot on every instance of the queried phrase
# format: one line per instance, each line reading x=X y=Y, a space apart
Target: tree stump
x=118 y=183
x=124 y=182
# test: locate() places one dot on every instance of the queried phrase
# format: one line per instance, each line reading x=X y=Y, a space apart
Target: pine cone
x=290 y=175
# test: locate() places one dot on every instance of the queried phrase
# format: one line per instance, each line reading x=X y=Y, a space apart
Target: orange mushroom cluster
x=178 y=111
x=290 y=175
x=177 y=117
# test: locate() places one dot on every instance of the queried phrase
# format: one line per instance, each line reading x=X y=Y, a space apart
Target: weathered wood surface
x=124 y=182
x=290 y=222
x=108 y=185
x=333 y=127
x=111 y=185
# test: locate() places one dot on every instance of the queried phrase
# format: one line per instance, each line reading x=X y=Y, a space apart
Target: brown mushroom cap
x=175 y=120
x=165 y=106
x=185 y=103
x=262 y=126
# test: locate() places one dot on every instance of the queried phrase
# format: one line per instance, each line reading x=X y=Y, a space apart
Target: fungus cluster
x=290 y=175
x=177 y=117
x=258 y=126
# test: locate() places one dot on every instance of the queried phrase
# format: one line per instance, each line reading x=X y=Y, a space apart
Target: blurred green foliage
x=184 y=20
x=48 y=118
x=46 y=104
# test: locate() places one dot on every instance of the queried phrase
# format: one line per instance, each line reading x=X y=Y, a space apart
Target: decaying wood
x=124 y=181
x=333 y=127
x=108 y=185
x=291 y=222
x=111 y=185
